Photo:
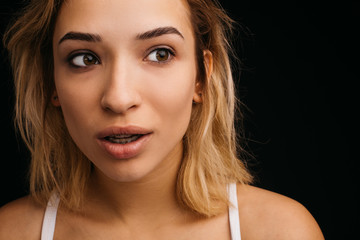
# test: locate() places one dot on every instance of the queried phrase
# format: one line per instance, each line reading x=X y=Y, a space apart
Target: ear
x=55 y=99
x=208 y=63
x=197 y=98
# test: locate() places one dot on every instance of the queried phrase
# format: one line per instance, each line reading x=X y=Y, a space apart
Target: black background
x=299 y=82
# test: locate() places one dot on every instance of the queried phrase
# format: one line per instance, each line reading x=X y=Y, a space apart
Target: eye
x=83 y=60
x=160 y=55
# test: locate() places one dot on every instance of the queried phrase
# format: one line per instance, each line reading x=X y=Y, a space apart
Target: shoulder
x=21 y=219
x=268 y=215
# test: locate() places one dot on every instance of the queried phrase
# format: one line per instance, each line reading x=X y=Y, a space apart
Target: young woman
x=127 y=108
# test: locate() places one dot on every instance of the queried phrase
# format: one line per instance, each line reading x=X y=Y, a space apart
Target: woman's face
x=125 y=75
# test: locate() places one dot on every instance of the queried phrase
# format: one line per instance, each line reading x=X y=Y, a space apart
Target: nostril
x=120 y=103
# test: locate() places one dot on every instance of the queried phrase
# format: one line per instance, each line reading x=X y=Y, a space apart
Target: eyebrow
x=157 y=32
x=88 y=37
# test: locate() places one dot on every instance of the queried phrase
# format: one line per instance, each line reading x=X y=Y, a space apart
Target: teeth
x=122 y=138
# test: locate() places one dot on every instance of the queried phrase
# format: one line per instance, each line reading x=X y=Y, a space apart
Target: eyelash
x=72 y=56
x=70 y=59
x=169 y=51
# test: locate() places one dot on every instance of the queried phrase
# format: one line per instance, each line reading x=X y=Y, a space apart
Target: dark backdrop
x=299 y=72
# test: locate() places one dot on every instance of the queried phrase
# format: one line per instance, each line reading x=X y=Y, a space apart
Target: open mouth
x=123 y=138
x=124 y=142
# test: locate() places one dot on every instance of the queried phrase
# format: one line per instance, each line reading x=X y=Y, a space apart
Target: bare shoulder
x=268 y=215
x=21 y=219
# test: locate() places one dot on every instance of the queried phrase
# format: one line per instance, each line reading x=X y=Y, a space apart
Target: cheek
x=77 y=101
x=173 y=100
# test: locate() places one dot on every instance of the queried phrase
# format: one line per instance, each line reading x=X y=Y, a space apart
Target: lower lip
x=124 y=151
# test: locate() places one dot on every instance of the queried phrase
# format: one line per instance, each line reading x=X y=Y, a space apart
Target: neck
x=152 y=197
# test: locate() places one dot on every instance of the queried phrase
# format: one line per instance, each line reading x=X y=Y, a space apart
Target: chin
x=124 y=171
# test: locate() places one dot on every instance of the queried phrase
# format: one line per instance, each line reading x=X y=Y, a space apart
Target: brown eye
x=160 y=55
x=89 y=60
x=84 y=60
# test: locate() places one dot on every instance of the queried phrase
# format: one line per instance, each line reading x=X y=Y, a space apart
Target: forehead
x=121 y=18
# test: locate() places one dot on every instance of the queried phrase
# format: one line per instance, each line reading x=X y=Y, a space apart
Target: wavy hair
x=211 y=159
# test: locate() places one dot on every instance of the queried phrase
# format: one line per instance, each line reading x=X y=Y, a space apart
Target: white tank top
x=48 y=226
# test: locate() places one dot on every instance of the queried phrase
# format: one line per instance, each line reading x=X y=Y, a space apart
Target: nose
x=120 y=92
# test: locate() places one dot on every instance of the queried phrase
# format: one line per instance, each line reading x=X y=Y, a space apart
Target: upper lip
x=127 y=130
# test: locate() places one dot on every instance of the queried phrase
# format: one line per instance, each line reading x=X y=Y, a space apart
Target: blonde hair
x=210 y=157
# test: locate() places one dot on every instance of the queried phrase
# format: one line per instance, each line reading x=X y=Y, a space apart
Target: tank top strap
x=48 y=226
x=234 y=213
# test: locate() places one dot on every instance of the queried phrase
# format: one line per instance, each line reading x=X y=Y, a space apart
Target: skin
x=135 y=198
x=126 y=88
